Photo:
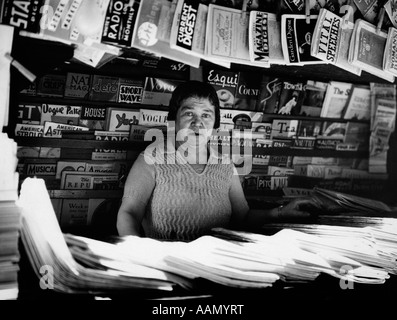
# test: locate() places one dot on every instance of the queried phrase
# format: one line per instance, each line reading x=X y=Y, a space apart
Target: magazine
x=331 y=39
x=367 y=48
x=358 y=105
x=313 y=98
x=188 y=30
x=335 y=99
x=227 y=35
x=369 y=9
x=380 y=91
x=296 y=39
x=390 y=54
x=150 y=23
x=291 y=97
x=265 y=38
x=391 y=10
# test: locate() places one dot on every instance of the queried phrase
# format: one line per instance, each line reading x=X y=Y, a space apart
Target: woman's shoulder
x=157 y=155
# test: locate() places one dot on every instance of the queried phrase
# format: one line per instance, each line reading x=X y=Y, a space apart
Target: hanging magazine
x=367 y=48
x=227 y=36
x=331 y=39
x=296 y=39
x=154 y=19
x=265 y=38
x=390 y=55
x=188 y=30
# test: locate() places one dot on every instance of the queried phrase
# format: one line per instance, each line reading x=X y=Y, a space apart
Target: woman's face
x=197 y=117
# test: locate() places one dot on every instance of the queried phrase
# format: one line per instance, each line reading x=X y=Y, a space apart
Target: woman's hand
x=297 y=208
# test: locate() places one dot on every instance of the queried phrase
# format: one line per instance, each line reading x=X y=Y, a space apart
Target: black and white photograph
x=198 y=159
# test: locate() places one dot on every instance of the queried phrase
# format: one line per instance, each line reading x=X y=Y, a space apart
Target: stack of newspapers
x=9 y=219
x=363 y=254
x=50 y=255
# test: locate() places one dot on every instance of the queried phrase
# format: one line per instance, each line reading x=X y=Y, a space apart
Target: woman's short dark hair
x=194 y=89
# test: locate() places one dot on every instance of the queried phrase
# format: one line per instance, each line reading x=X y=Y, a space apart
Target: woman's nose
x=197 y=121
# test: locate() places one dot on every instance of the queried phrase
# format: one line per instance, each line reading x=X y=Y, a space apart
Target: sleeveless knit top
x=185 y=204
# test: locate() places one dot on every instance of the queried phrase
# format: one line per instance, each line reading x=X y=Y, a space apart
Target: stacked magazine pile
x=229 y=258
x=9 y=219
x=357 y=254
x=49 y=254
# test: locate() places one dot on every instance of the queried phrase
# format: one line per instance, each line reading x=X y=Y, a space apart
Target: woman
x=183 y=190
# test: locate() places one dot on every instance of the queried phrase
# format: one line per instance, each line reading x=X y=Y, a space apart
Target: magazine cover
x=60 y=113
x=22 y=14
x=270 y=88
x=69 y=165
x=29 y=113
x=77 y=85
x=265 y=38
x=149 y=117
x=369 y=9
x=296 y=38
x=54 y=129
x=284 y=128
x=158 y=91
x=335 y=99
x=51 y=85
x=331 y=40
x=188 y=27
x=227 y=35
x=74 y=212
x=313 y=98
x=82 y=180
x=64 y=20
x=104 y=88
x=291 y=97
x=225 y=83
x=119 y=21
x=150 y=23
x=28 y=130
x=381 y=91
x=247 y=91
x=130 y=90
x=367 y=49
x=120 y=119
x=390 y=55
x=188 y=31
x=358 y=105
